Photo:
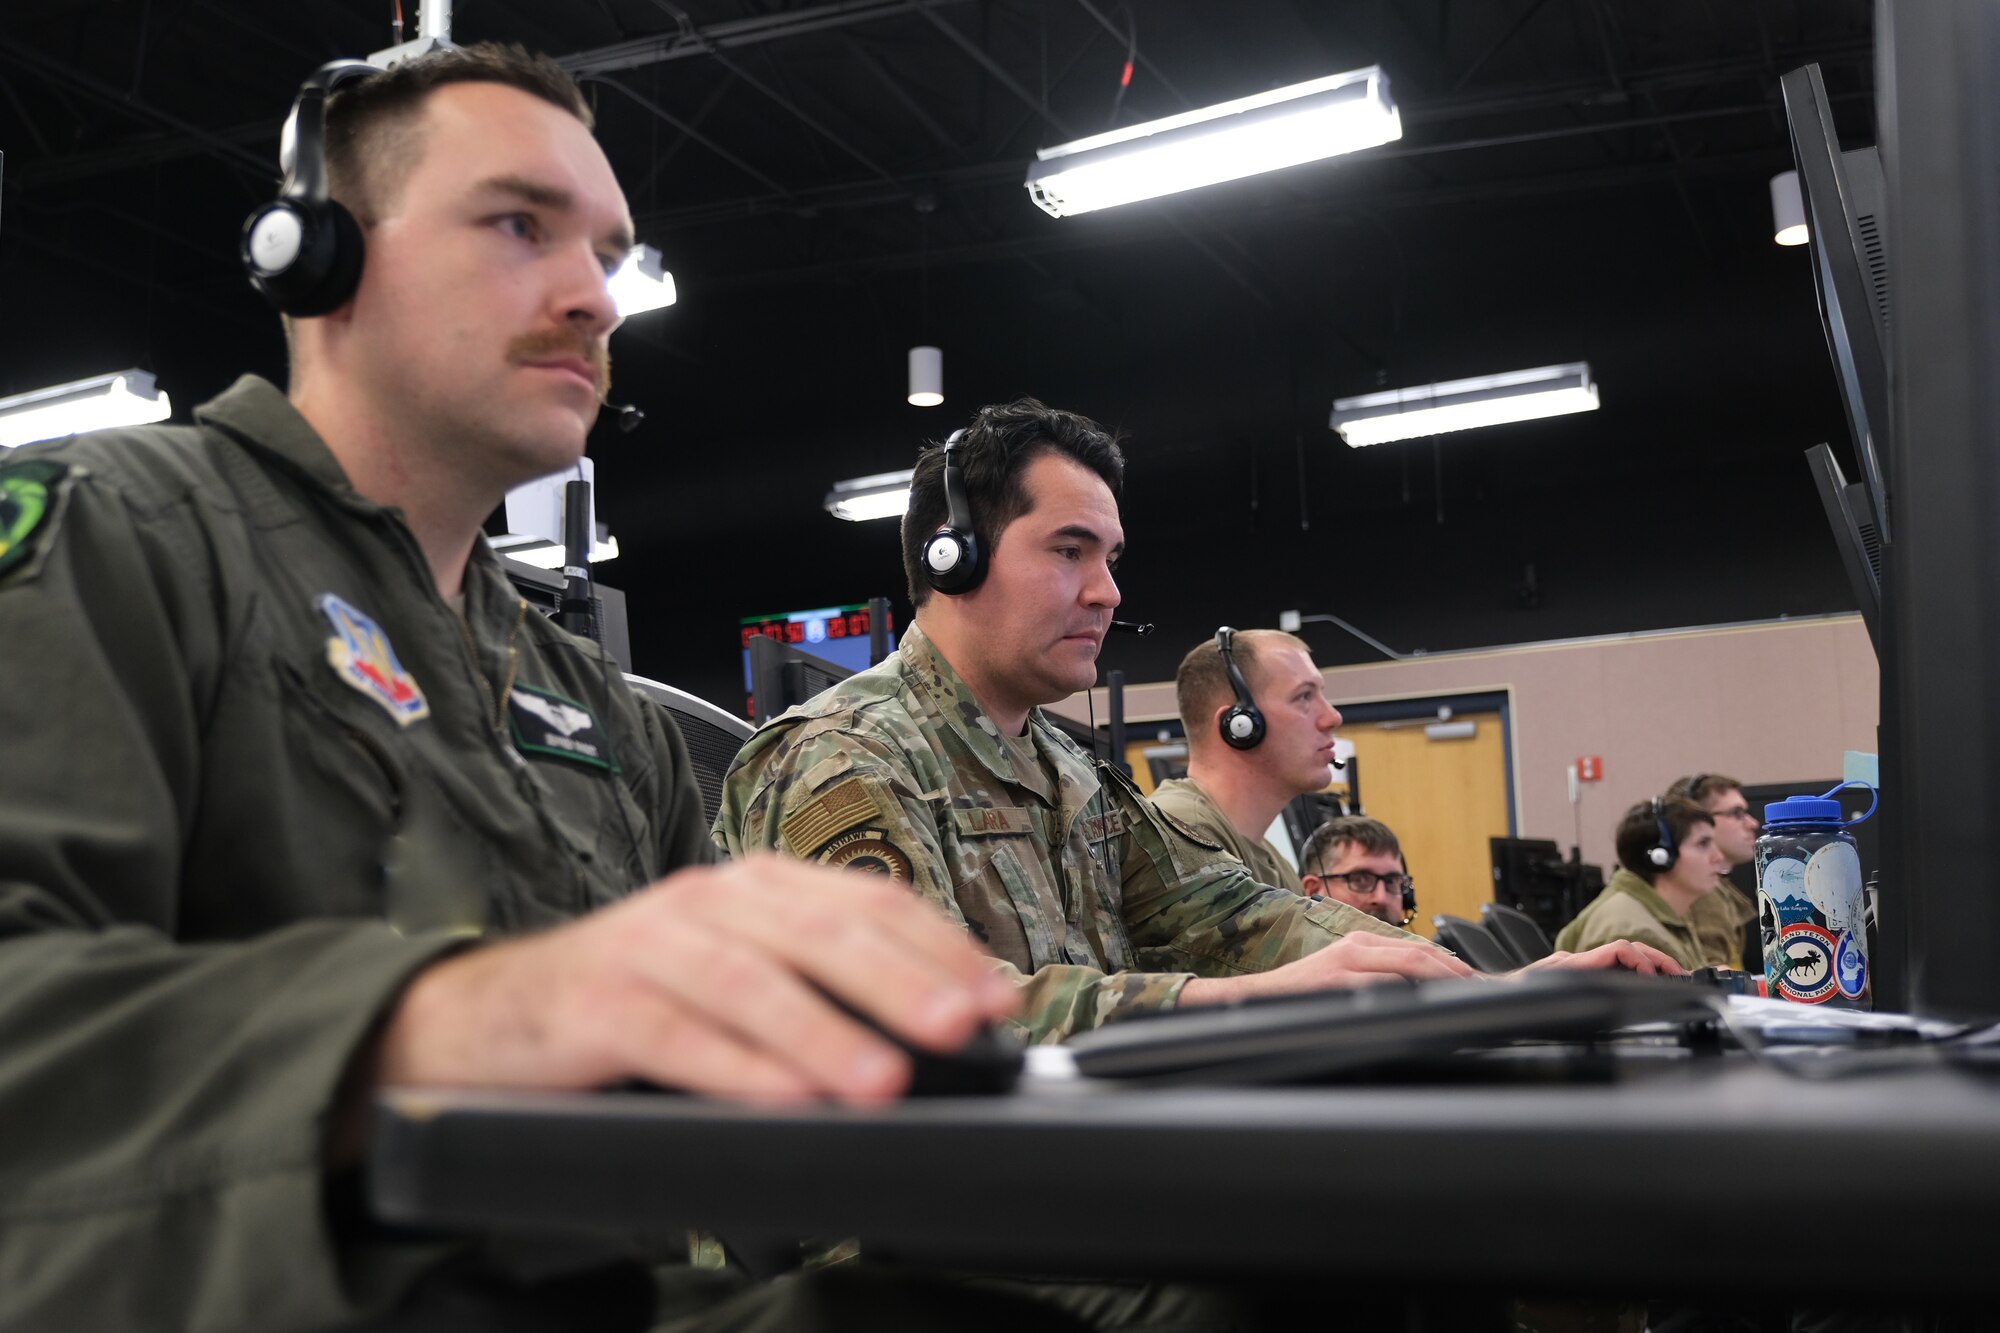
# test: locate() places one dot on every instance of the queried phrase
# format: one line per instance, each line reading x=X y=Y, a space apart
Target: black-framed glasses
x=1735 y=812
x=1364 y=882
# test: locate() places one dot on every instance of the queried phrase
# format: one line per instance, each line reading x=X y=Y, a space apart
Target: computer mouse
x=987 y=1065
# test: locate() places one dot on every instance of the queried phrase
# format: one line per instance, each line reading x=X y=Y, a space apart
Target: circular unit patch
x=1806 y=952
x=866 y=849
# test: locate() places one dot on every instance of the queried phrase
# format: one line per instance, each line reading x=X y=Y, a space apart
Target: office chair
x=1473 y=943
x=1517 y=930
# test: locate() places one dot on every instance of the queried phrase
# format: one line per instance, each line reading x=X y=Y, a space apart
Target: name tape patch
x=546 y=724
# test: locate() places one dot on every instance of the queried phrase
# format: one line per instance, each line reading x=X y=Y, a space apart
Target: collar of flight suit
x=1647 y=897
x=257 y=414
x=947 y=697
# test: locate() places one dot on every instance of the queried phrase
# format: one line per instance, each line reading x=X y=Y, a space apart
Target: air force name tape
x=360 y=654
x=546 y=725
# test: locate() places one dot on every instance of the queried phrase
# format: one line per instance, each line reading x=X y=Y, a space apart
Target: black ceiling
x=830 y=183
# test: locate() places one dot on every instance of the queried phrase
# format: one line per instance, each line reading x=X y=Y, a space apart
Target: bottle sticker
x=1806 y=964
x=1850 y=966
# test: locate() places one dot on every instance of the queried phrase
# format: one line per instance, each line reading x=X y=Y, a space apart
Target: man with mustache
x=281 y=821
x=937 y=767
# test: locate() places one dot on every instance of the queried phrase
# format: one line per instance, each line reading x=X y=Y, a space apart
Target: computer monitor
x=1843 y=198
x=1531 y=875
x=1938 y=117
x=854 y=635
x=782 y=677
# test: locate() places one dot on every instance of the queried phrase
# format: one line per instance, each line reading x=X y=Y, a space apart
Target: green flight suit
x=1631 y=909
x=1184 y=799
x=1720 y=922
x=1105 y=905
x=235 y=818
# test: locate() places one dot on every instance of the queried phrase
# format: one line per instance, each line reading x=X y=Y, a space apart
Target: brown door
x=1444 y=799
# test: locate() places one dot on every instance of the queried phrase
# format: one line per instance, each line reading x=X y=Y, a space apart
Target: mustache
x=566 y=342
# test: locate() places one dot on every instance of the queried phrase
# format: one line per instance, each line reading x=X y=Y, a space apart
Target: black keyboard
x=1296 y=1038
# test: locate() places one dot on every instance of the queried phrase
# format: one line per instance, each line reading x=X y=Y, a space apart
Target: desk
x=1884 y=1184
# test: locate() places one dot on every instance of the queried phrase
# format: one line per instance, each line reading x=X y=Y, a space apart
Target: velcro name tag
x=548 y=726
x=1099 y=827
x=980 y=820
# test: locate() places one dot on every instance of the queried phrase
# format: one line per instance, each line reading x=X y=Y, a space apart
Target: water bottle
x=1811 y=909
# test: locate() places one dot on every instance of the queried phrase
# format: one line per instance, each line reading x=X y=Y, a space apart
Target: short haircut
x=1323 y=847
x=1698 y=787
x=1639 y=832
x=993 y=457
x=1202 y=684
x=371 y=124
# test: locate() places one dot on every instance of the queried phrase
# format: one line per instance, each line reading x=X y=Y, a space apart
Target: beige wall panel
x=1768 y=702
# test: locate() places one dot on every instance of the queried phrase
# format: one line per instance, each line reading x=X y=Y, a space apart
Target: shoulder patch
x=866 y=849
x=1188 y=831
x=832 y=812
x=28 y=493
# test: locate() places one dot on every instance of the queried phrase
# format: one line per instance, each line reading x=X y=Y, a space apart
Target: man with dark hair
x=1231 y=793
x=1358 y=861
x=1667 y=861
x=1724 y=921
x=937 y=767
x=275 y=828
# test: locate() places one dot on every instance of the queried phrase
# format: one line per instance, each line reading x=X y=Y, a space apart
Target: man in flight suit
x=281 y=819
x=1237 y=785
x=937 y=768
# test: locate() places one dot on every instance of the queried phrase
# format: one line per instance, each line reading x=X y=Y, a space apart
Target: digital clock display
x=839 y=634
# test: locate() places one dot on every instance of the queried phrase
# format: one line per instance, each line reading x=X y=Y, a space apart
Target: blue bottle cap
x=1803 y=810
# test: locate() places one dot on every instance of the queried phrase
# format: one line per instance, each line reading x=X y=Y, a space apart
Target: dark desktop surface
x=1608 y=1170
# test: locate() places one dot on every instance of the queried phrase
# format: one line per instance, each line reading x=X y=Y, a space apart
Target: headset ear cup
x=1660 y=857
x=325 y=266
x=1242 y=728
x=964 y=570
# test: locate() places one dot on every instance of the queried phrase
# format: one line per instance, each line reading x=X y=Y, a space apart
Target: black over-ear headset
x=1664 y=851
x=1242 y=726
x=953 y=561
x=303 y=250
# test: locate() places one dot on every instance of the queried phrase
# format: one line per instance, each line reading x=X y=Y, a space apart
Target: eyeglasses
x=1365 y=882
x=1738 y=812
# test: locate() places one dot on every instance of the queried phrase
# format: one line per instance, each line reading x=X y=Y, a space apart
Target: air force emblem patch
x=360 y=653
x=546 y=724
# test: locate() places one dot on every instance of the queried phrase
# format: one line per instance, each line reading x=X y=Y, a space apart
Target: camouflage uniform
x=1058 y=866
x=1719 y=920
x=1184 y=799
x=1631 y=909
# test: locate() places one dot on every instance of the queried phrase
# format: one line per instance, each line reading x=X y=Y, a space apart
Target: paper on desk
x=1784 y=1019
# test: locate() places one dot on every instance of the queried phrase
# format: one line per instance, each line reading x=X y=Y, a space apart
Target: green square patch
x=546 y=724
x=28 y=492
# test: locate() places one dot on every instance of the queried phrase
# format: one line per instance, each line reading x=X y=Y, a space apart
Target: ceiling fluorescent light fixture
x=1341 y=113
x=128 y=398
x=1489 y=400
x=642 y=283
x=884 y=495
x=545 y=554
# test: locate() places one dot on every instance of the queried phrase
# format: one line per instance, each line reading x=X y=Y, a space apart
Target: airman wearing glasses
x=1358 y=861
x=1723 y=920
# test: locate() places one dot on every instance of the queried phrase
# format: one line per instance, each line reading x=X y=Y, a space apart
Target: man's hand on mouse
x=710 y=981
